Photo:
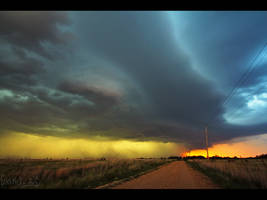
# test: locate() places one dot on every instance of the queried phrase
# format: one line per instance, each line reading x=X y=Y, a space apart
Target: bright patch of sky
x=256 y=102
x=253 y=109
x=4 y=93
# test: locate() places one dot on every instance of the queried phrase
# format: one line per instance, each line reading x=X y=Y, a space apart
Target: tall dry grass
x=252 y=172
x=78 y=173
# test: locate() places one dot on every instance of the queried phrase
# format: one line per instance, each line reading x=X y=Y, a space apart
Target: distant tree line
x=194 y=157
x=262 y=156
x=175 y=157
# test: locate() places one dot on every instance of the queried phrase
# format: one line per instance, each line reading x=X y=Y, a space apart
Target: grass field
x=72 y=173
x=234 y=173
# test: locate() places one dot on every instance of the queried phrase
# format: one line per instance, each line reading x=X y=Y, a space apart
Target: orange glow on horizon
x=247 y=147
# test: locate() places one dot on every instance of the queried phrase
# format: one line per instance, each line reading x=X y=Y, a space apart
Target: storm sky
x=136 y=75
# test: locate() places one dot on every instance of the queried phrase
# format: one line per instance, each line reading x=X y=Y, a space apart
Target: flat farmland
x=71 y=173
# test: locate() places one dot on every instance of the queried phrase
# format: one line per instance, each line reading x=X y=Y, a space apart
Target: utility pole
x=206 y=136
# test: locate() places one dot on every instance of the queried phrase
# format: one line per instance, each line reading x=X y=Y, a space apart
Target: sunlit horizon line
x=35 y=146
x=213 y=153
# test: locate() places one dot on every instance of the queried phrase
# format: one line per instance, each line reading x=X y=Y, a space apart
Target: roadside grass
x=233 y=174
x=71 y=174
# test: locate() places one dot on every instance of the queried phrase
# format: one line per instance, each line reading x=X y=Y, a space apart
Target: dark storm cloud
x=24 y=37
x=17 y=72
x=21 y=68
x=44 y=111
x=142 y=45
x=32 y=30
x=28 y=40
x=99 y=98
x=223 y=43
x=27 y=67
x=128 y=75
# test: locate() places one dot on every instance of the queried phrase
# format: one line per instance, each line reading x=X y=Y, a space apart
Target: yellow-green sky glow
x=33 y=146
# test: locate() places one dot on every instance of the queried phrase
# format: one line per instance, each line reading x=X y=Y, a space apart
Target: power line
x=240 y=82
x=247 y=73
x=251 y=94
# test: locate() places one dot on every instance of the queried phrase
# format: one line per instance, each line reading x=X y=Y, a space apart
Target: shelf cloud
x=132 y=75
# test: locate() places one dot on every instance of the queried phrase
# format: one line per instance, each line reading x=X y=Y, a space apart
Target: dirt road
x=176 y=175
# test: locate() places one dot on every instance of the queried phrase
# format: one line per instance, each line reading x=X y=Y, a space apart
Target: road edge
x=118 y=182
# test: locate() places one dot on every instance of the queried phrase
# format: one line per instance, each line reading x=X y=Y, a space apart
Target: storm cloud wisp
x=139 y=76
